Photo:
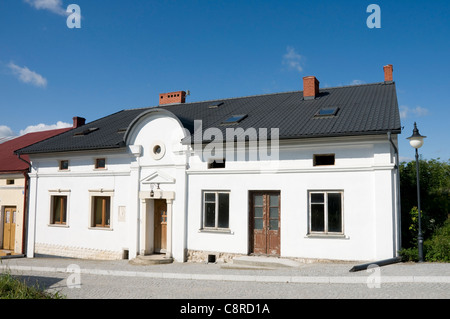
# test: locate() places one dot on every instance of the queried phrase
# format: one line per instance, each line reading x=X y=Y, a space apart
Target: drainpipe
x=25 y=200
x=399 y=212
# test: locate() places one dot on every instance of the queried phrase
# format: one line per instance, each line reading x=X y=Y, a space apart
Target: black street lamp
x=416 y=141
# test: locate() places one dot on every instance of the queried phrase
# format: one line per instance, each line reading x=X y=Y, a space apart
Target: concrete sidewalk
x=314 y=272
x=195 y=282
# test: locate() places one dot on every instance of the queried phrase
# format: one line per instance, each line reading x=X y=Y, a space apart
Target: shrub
x=437 y=248
x=409 y=254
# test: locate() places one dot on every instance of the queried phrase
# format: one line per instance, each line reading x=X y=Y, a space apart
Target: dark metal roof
x=362 y=110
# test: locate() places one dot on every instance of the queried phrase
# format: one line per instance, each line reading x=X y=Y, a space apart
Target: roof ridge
x=357 y=85
x=101 y=118
x=205 y=101
x=256 y=95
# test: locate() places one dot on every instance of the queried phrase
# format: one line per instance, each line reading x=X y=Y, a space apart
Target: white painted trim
x=7 y=187
x=333 y=169
x=94 y=172
x=158 y=177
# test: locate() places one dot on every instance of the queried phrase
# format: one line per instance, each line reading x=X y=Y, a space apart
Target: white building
x=165 y=179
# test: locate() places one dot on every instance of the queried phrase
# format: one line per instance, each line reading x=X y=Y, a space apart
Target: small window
x=63 y=165
x=325 y=212
x=59 y=210
x=157 y=149
x=216 y=210
x=216 y=163
x=327 y=112
x=10 y=182
x=323 y=159
x=100 y=163
x=101 y=211
x=235 y=119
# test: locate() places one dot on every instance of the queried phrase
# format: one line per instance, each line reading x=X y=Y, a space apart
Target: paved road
x=84 y=279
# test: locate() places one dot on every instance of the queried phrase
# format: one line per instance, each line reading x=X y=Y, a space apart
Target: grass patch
x=13 y=288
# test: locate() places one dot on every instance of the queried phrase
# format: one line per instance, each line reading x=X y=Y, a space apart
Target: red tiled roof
x=9 y=162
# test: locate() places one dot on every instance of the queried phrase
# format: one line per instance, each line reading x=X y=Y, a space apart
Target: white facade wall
x=364 y=171
x=79 y=183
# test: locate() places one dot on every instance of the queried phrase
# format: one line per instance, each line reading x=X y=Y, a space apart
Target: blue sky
x=127 y=52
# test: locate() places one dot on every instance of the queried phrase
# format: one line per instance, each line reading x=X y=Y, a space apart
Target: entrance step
x=262 y=262
x=155 y=259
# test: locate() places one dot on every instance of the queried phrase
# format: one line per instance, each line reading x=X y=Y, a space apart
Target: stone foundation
x=77 y=252
x=201 y=256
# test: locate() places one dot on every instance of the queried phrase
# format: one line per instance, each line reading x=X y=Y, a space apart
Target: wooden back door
x=9 y=228
x=160 y=237
x=265 y=232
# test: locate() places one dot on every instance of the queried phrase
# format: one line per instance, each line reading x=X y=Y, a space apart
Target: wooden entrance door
x=160 y=238
x=265 y=222
x=9 y=228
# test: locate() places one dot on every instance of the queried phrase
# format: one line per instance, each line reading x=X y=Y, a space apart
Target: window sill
x=58 y=225
x=100 y=228
x=216 y=231
x=329 y=236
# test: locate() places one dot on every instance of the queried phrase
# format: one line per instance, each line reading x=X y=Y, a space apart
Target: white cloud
x=5 y=131
x=44 y=127
x=357 y=82
x=54 y=6
x=292 y=59
x=25 y=75
x=418 y=111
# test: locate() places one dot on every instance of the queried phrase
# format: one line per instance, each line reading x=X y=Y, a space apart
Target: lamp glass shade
x=416 y=141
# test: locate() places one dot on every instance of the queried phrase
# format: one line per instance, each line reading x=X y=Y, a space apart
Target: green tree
x=434 y=197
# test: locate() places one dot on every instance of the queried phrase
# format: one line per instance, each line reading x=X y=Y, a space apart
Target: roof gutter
x=25 y=200
x=397 y=198
x=24 y=160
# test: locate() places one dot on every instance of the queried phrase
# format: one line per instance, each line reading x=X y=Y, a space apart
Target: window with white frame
x=326 y=212
x=216 y=209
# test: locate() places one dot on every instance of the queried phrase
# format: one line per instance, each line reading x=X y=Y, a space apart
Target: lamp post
x=416 y=141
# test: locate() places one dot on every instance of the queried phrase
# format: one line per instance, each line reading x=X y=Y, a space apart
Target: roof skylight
x=326 y=112
x=214 y=105
x=233 y=119
x=86 y=131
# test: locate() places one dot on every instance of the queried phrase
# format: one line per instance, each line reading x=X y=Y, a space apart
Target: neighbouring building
x=14 y=190
x=303 y=174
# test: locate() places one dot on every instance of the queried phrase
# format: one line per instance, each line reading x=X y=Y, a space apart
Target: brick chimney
x=310 y=87
x=388 y=69
x=172 y=98
x=78 y=121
